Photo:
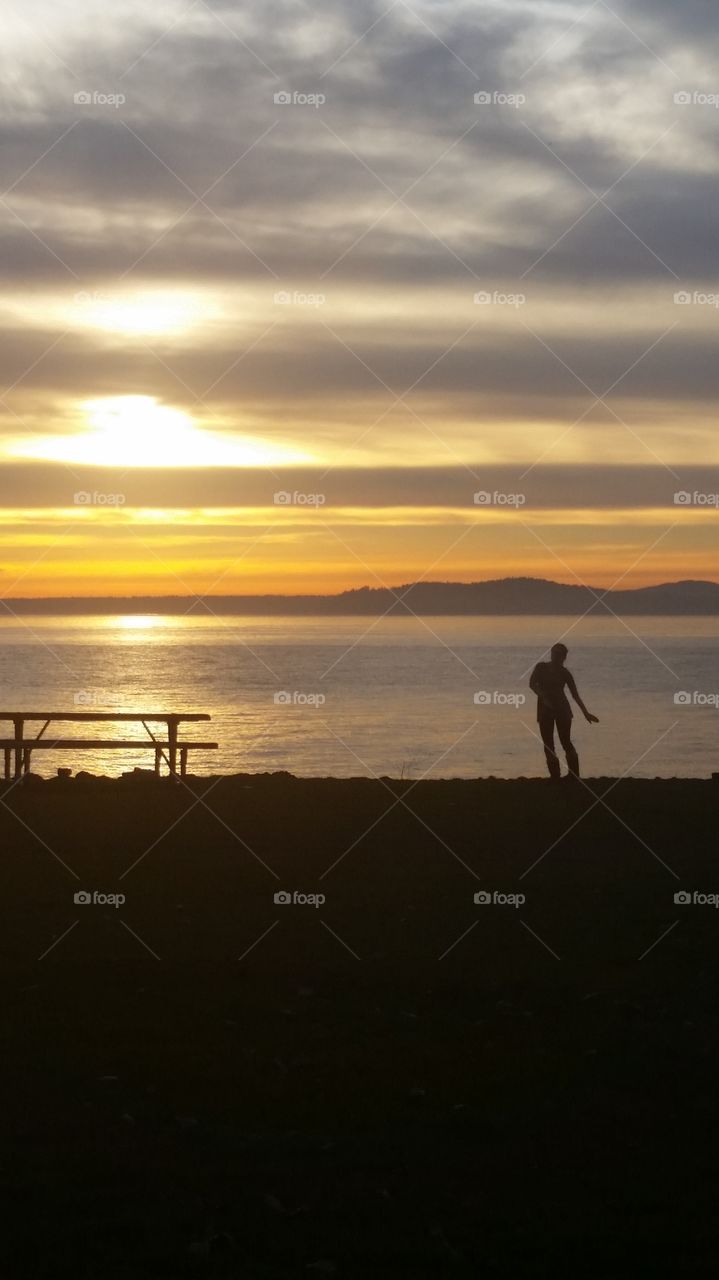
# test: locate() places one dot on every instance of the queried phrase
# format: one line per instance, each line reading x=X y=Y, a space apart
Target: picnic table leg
x=26 y=755
x=18 y=727
x=158 y=757
x=183 y=762
x=172 y=741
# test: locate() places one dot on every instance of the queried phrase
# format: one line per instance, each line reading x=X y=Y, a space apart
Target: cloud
x=399 y=197
x=374 y=365
x=398 y=103
x=602 y=486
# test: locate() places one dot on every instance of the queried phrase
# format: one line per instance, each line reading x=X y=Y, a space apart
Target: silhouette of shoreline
x=533 y=597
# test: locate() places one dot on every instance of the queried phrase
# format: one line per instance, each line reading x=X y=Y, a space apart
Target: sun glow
x=138 y=622
x=144 y=313
x=138 y=431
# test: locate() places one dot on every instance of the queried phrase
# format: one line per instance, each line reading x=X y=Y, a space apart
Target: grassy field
x=397 y=1082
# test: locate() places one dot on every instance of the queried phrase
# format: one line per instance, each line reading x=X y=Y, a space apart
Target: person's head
x=559 y=654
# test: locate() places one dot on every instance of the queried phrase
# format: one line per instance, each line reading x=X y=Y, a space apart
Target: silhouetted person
x=549 y=681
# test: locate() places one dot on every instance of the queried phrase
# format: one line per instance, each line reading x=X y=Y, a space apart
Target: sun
x=139 y=431
x=165 y=313
x=136 y=430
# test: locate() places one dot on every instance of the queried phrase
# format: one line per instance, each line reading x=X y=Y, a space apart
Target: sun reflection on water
x=140 y=622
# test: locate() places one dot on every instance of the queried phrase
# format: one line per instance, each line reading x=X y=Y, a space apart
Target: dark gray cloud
x=490 y=373
x=29 y=485
x=494 y=207
x=689 y=22
x=398 y=99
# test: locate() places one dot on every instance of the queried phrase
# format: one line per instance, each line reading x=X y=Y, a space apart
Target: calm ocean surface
x=398 y=694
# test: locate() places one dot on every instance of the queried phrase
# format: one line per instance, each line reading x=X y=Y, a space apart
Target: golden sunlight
x=137 y=622
x=145 y=313
x=139 y=431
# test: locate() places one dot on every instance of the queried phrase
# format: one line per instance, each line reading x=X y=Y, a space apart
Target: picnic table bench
x=20 y=748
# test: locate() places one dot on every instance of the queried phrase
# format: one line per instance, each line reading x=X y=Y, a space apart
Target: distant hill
x=502 y=597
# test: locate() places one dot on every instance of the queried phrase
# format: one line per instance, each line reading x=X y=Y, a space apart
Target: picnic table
x=18 y=749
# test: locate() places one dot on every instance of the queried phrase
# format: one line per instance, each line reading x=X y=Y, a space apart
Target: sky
x=303 y=296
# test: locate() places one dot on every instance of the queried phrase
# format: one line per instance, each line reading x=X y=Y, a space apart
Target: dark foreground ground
x=397 y=1083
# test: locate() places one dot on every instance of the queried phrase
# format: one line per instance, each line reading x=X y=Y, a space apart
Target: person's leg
x=564 y=729
x=546 y=729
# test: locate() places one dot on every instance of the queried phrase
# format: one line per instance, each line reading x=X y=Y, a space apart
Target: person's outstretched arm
x=571 y=685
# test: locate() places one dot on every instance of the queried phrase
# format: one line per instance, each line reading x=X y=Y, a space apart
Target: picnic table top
x=154 y=716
